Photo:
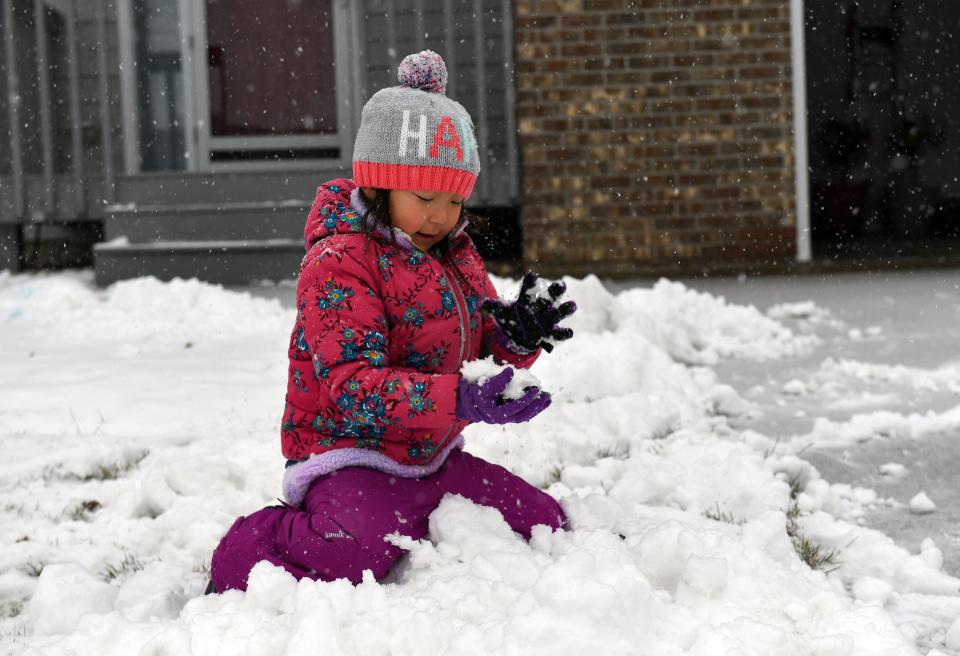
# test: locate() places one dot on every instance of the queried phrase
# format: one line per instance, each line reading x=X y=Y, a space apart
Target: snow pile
x=883 y=397
x=847 y=385
x=881 y=424
x=838 y=372
x=129 y=454
x=808 y=315
x=134 y=311
x=690 y=326
x=675 y=585
x=120 y=361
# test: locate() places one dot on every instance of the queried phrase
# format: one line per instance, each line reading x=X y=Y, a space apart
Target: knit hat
x=413 y=137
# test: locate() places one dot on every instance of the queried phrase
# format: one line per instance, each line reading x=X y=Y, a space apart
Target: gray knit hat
x=414 y=137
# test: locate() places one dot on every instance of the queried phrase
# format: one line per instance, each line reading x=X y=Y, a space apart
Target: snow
x=893 y=469
x=952 y=638
x=64 y=594
x=139 y=421
x=921 y=504
x=479 y=371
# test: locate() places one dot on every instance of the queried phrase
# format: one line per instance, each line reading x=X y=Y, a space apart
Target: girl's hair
x=378 y=215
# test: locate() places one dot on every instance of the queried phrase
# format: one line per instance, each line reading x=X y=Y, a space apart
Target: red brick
x=653 y=133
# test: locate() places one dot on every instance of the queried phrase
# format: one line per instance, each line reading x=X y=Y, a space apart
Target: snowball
x=480 y=371
x=921 y=504
x=64 y=594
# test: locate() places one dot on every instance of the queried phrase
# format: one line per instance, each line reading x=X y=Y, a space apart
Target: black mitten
x=532 y=320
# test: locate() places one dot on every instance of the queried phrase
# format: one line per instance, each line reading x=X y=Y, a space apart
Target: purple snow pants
x=339 y=530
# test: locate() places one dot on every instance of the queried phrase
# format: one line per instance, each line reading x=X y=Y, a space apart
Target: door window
x=271 y=67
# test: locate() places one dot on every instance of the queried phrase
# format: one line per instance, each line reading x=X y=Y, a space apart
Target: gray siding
x=5 y=155
x=496 y=186
x=90 y=106
x=90 y=84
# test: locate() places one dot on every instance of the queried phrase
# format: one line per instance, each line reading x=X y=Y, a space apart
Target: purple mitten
x=483 y=402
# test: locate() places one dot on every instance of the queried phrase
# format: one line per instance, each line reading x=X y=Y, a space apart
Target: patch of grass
x=34 y=569
x=619 y=451
x=724 y=516
x=114 y=470
x=129 y=565
x=11 y=608
x=816 y=556
x=664 y=432
x=83 y=510
x=797 y=484
x=13 y=508
x=553 y=476
x=105 y=471
x=19 y=630
x=773 y=448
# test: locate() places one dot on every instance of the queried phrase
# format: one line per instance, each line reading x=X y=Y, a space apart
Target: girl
x=388 y=309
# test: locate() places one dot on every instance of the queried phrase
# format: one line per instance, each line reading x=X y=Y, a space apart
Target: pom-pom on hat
x=413 y=137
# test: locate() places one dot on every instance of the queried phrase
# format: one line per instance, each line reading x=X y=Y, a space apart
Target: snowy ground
x=875 y=401
x=137 y=422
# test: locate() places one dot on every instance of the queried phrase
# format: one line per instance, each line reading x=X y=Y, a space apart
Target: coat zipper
x=464 y=323
x=461 y=303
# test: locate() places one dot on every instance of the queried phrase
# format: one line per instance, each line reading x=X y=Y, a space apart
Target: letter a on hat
x=446 y=135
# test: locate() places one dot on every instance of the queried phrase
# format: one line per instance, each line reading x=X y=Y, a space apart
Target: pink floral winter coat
x=380 y=335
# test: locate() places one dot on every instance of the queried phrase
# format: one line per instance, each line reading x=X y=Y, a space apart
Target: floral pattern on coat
x=381 y=331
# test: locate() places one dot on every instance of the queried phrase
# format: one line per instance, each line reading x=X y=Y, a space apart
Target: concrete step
x=230 y=262
x=206 y=222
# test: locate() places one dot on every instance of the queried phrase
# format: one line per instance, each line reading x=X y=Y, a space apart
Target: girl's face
x=427 y=217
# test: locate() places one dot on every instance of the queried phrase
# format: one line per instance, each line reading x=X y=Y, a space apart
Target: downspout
x=801 y=157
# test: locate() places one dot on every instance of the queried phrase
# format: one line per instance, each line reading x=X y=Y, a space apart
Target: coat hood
x=339 y=208
x=331 y=212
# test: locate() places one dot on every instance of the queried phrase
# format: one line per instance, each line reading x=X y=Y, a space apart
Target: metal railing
x=13 y=109
x=16 y=41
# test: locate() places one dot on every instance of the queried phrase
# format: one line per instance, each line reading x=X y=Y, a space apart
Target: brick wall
x=655 y=135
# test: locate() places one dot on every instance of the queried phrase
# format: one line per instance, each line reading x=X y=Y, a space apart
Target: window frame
x=200 y=144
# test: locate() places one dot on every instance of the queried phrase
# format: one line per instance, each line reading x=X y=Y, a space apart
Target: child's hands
x=531 y=321
x=485 y=401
